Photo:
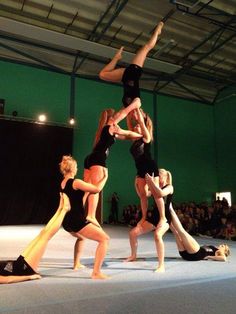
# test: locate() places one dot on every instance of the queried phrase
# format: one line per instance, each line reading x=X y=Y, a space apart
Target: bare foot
x=100 y=276
x=130 y=259
x=137 y=102
x=163 y=224
x=118 y=55
x=93 y=221
x=159 y=28
x=160 y=269
x=35 y=276
x=78 y=266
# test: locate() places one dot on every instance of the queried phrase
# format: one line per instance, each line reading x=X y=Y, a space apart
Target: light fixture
x=72 y=121
x=42 y=118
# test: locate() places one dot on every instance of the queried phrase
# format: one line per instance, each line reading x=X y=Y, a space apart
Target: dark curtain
x=29 y=179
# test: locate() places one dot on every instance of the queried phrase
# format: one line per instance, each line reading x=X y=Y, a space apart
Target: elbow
x=102 y=75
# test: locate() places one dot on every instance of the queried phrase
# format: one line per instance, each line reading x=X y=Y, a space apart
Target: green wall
x=32 y=91
x=225 y=128
x=186 y=146
x=188 y=132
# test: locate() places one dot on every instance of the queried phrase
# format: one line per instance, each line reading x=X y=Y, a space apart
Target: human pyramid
x=149 y=180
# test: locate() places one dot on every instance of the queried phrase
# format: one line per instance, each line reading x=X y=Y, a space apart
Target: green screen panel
x=31 y=91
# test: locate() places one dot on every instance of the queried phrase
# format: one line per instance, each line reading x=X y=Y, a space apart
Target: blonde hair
x=103 y=120
x=167 y=174
x=227 y=250
x=68 y=165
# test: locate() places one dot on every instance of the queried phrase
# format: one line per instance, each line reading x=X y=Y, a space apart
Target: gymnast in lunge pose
x=152 y=223
x=26 y=265
x=75 y=220
x=130 y=76
x=188 y=247
x=95 y=163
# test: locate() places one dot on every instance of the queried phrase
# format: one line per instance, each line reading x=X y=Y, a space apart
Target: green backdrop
x=193 y=140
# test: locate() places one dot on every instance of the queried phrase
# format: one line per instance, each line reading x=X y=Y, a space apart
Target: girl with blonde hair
x=75 y=220
x=152 y=223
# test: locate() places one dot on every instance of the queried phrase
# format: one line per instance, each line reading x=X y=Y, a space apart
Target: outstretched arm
x=14 y=279
x=146 y=134
x=79 y=184
x=123 y=113
x=122 y=134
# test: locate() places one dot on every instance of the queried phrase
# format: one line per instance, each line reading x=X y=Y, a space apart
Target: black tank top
x=105 y=142
x=141 y=150
x=75 y=219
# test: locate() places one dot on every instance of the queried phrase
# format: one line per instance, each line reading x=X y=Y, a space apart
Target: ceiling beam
x=22 y=30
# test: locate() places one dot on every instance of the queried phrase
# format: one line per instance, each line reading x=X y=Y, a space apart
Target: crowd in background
x=216 y=221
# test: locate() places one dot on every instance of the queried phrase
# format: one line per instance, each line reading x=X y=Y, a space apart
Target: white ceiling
x=194 y=58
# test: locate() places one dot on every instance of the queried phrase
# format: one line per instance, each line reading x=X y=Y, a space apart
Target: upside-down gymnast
x=26 y=265
x=130 y=76
x=152 y=223
x=95 y=163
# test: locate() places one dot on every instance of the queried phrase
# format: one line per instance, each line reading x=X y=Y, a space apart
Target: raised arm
x=146 y=134
x=123 y=113
x=122 y=134
x=156 y=191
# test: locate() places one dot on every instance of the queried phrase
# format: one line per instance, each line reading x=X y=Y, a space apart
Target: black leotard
x=144 y=163
x=75 y=219
x=155 y=217
x=101 y=150
x=130 y=80
x=16 y=268
x=204 y=251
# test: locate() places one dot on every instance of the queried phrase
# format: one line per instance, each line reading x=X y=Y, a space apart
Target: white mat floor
x=193 y=287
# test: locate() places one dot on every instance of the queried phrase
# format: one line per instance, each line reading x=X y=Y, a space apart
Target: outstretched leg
x=141 y=55
x=34 y=251
x=187 y=241
x=109 y=72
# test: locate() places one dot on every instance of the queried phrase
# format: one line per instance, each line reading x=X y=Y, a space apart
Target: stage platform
x=186 y=287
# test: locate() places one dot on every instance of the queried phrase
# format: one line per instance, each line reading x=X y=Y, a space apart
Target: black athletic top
x=144 y=163
x=16 y=268
x=101 y=150
x=75 y=219
x=155 y=217
x=130 y=80
x=204 y=251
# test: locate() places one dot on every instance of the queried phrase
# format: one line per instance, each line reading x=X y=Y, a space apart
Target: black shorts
x=155 y=217
x=149 y=167
x=198 y=256
x=72 y=225
x=16 y=268
x=95 y=159
x=130 y=82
